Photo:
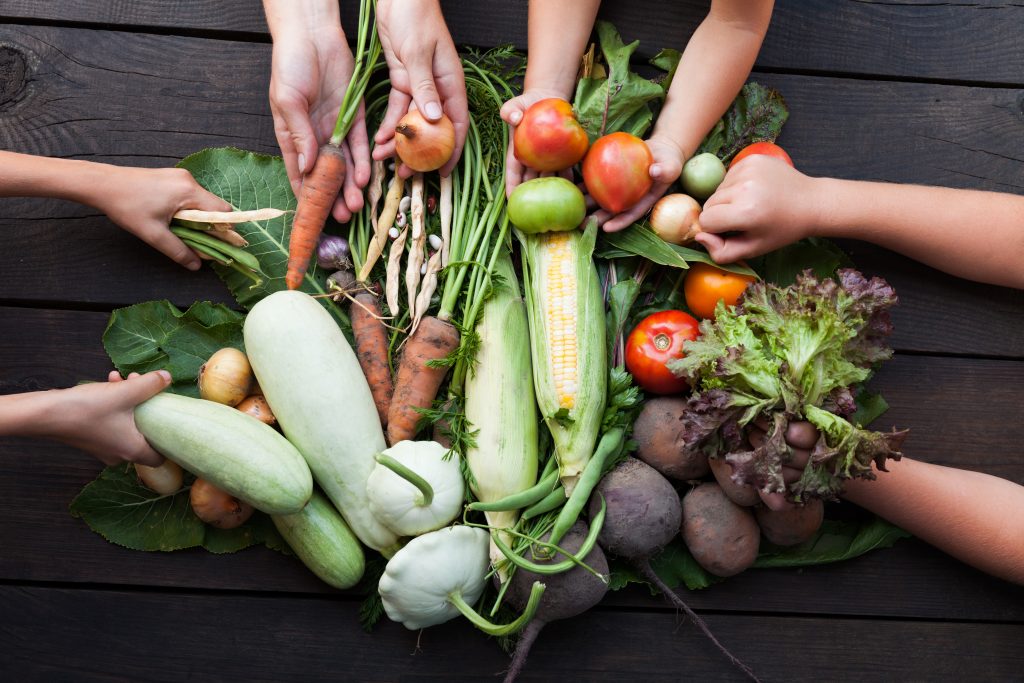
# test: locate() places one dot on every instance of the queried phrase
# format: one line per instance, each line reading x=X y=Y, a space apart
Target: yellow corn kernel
x=561 y=317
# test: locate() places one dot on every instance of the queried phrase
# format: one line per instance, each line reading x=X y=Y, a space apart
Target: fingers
x=512 y=111
x=295 y=134
x=631 y=215
x=359 y=145
x=513 y=170
x=138 y=388
x=421 y=83
x=728 y=250
x=398 y=106
x=114 y=376
x=205 y=200
x=803 y=435
x=163 y=240
x=452 y=85
x=144 y=454
x=721 y=216
x=341 y=211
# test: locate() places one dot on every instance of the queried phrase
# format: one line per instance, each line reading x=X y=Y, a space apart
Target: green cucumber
x=324 y=543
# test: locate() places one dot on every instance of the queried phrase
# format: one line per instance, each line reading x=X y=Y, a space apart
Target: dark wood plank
x=52 y=633
x=956 y=41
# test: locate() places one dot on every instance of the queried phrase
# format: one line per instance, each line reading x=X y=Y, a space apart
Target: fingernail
x=193 y=265
x=433 y=111
x=516 y=117
x=302 y=163
x=655 y=170
x=165 y=375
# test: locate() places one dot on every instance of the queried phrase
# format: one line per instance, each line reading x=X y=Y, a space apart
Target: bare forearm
x=558 y=33
x=26 y=175
x=290 y=17
x=975 y=517
x=30 y=414
x=968 y=233
x=713 y=68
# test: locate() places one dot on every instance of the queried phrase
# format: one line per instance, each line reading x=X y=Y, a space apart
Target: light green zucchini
x=231 y=450
x=324 y=543
x=312 y=380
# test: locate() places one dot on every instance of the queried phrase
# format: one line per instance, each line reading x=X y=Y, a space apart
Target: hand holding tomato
x=664 y=167
x=762 y=204
x=706 y=285
x=766 y=148
x=657 y=340
x=512 y=113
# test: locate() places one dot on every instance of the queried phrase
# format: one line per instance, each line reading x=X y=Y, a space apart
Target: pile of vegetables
x=444 y=383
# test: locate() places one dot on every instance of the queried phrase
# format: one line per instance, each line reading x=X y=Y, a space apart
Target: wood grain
x=975 y=41
x=57 y=634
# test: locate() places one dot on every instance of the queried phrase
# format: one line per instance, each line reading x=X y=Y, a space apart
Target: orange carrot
x=320 y=188
x=416 y=384
x=372 y=350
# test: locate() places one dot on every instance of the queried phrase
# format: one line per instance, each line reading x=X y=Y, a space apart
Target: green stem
x=552 y=501
x=520 y=499
x=405 y=473
x=366 y=57
x=489 y=627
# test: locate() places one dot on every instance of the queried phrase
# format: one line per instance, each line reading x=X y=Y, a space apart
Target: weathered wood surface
x=977 y=41
x=115 y=635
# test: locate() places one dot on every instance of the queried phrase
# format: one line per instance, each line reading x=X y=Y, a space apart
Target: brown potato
x=722 y=536
x=659 y=440
x=741 y=494
x=791 y=525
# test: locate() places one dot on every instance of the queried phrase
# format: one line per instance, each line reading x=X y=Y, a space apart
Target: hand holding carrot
x=310 y=67
x=97 y=418
x=425 y=69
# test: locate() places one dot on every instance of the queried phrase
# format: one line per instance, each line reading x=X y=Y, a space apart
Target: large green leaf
x=119 y=508
x=250 y=181
x=156 y=335
x=638 y=240
x=758 y=113
x=784 y=264
x=618 y=102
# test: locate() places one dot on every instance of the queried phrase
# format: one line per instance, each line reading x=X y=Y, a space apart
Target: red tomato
x=706 y=285
x=769 y=148
x=616 y=171
x=549 y=138
x=655 y=341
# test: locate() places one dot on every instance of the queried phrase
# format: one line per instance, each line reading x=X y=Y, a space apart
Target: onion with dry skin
x=226 y=377
x=422 y=145
x=164 y=479
x=216 y=507
x=675 y=218
x=257 y=406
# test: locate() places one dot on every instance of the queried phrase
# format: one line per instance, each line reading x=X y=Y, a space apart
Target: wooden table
x=906 y=92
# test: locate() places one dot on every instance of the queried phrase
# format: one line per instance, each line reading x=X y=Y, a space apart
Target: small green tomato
x=702 y=175
x=546 y=205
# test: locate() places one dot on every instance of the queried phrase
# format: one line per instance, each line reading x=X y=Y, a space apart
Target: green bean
x=522 y=499
x=228 y=251
x=550 y=502
x=588 y=480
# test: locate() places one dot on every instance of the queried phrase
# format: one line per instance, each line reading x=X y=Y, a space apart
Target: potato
x=741 y=494
x=722 y=536
x=793 y=524
x=658 y=434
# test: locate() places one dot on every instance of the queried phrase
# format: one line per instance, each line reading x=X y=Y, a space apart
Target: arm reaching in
x=764 y=204
x=139 y=200
x=713 y=68
x=97 y=418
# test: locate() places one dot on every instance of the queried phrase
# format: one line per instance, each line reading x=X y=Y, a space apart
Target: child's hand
x=667 y=165
x=425 y=69
x=512 y=113
x=142 y=201
x=801 y=438
x=310 y=69
x=98 y=418
x=765 y=202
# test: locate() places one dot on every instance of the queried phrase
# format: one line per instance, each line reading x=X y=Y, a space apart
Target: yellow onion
x=226 y=377
x=675 y=218
x=422 y=145
x=257 y=406
x=216 y=507
x=164 y=479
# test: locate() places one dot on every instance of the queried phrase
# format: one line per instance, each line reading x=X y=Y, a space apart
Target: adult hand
x=512 y=113
x=143 y=200
x=425 y=71
x=666 y=167
x=99 y=418
x=764 y=203
x=310 y=70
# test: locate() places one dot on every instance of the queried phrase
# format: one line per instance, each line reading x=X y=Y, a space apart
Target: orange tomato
x=706 y=285
x=768 y=148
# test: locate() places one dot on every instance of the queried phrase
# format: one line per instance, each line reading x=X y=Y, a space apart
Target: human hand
x=512 y=112
x=800 y=437
x=425 y=70
x=666 y=167
x=309 y=72
x=99 y=417
x=766 y=202
x=143 y=200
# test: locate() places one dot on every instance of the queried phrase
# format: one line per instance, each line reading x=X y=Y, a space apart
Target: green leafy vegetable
x=789 y=353
x=618 y=102
x=757 y=114
x=156 y=335
x=250 y=181
x=836 y=541
x=119 y=508
x=783 y=265
x=639 y=240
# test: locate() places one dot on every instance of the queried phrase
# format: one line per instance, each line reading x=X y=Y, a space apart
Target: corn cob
x=498 y=406
x=567 y=339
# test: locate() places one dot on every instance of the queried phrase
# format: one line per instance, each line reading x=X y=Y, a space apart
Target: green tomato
x=702 y=175
x=546 y=205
